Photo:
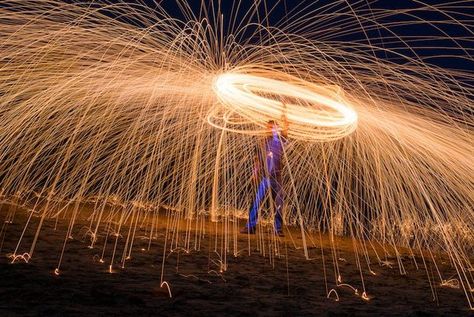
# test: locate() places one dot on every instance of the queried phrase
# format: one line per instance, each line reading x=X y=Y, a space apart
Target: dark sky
x=284 y=11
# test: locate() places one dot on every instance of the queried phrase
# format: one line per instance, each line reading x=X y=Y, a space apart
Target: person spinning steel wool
x=270 y=176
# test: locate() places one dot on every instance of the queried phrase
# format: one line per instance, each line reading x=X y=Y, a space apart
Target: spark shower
x=127 y=110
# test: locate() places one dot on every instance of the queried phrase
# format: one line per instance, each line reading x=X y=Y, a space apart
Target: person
x=270 y=176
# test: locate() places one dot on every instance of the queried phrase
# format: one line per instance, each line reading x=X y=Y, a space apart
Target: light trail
x=315 y=112
x=109 y=113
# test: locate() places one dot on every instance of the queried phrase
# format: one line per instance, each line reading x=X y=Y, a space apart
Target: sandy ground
x=286 y=285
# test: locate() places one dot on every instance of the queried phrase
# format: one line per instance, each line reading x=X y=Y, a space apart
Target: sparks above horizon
x=120 y=113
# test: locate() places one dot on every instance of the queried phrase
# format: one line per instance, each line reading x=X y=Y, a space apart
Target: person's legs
x=277 y=195
x=253 y=213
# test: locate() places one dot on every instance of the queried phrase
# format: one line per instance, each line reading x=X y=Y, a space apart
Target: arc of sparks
x=316 y=112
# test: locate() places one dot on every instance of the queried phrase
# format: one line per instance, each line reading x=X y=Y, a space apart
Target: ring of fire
x=314 y=112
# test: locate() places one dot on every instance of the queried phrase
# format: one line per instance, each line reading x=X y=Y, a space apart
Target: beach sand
x=265 y=285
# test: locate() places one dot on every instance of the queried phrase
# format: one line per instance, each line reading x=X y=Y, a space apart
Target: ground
x=282 y=285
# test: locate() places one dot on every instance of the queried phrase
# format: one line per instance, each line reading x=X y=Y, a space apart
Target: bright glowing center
x=314 y=112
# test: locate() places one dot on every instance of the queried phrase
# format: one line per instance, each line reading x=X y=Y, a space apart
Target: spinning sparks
x=117 y=118
x=327 y=117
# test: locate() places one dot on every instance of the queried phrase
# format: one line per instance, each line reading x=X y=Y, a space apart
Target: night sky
x=282 y=12
x=452 y=54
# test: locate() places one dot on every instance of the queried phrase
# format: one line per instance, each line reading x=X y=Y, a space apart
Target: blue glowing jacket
x=273 y=153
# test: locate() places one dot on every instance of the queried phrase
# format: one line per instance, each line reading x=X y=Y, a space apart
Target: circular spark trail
x=315 y=112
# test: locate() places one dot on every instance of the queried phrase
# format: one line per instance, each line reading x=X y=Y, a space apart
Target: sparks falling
x=133 y=111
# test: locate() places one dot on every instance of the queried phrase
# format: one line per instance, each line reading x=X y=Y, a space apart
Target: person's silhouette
x=269 y=176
